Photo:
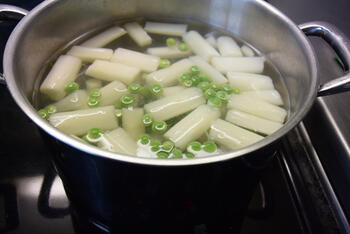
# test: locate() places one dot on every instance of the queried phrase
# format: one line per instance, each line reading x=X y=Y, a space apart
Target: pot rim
x=28 y=109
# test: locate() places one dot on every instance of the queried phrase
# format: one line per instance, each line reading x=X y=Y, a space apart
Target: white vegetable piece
x=118 y=141
x=105 y=37
x=249 y=81
x=112 y=92
x=168 y=76
x=211 y=40
x=199 y=45
x=93 y=84
x=205 y=67
x=228 y=47
x=257 y=107
x=174 y=105
x=270 y=96
x=138 y=34
x=80 y=121
x=252 y=122
x=109 y=71
x=166 y=28
x=147 y=63
x=231 y=136
x=246 y=51
x=168 y=52
x=169 y=91
x=64 y=71
x=192 y=126
x=88 y=54
x=74 y=101
x=239 y=64
x=132 y=122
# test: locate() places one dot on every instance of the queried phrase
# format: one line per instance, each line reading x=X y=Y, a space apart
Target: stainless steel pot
x=55 y=22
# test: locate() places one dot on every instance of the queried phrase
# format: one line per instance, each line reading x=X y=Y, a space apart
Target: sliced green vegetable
x=222 y=95
x=162 y=154
x=127 y=100
x=187 y=83
x=209 y=146
x=209 y=93
x=214 y=86
x=156 y=89
x=195 y=80
x=155 y=148
x=215 y=101
x=71 y=87
x=145 y=139
x=177 y=153
x=168 y=145
x=44 y=113
x=189 y=155
x=51 y=109
x=204 y=77
x=194 y=70
x=184 y=77
x=227 y=88
x=145 y=92
x=155 y=143
x=118 y=113
x=86 y=139
x=147 y=120
x=170 y=41
x=236 y=91
x=95 y=133
x=134 y=88
x=159 y=127
x=93 y=102
x=164 y=63
x=183 y=46
x=204 y=85
x=195 y=145
x=95 y=93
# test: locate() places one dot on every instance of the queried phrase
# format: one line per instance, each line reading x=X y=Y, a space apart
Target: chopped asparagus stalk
x=246 y=51
x=138 y=34
x=147 y=63
x=248 y=81
x=192 y=126
x=64 y=71
x=168 y=52
x=172 y=106
x=166 y=28
x=118 y=141
x=112 y=92
x=205 y=67
x=199 y=45
x=228 y=47
x=92 y=84
x=88 y=54
x=109 y=71
x=239 y=64
x=272 y=96
x=105 y=37
x=168 y=76
x=257 y=107
x=132 y=122
x=252 y=122
x=80 y=121
x=74 y=101
x=231 y=136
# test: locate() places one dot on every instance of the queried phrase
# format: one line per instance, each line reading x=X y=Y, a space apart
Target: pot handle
x=10 y=13
x=341 y=45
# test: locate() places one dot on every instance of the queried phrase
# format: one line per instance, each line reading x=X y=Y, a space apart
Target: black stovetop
x=300 y=191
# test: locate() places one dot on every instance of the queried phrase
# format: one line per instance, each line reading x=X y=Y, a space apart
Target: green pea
x=44 y=113
x=215 y=101
x=156 y=89
x=183 y=46
x=227 y=88
x=155 y=148
x=177 y=153
x=127 y=100
x=147 y=120
x=51 y=109
x=222 y=95
x=95 y=133
x=95 y=93
x=168 y=145
x=145 y=139
x=209 y=146
x=71 y=87
x=204 y=77
x=195 y=145
x=164 y=63
x=194 y=70
x=204 y=85
x=209 y=93
x=170 y=41
x=159 y=127
x=118 y=113
x=93 y=102
x=162 y=154
x=134 y=88
x=236 y=91
x=155 y=143
x=189 y=155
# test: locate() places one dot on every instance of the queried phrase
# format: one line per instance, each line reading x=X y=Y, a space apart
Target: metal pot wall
x=120 y=191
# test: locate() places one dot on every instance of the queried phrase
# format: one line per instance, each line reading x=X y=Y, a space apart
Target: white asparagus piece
x=105 y=37
x=109 y=71
x=230 y=136
x=147 y=63
x=175 y=105
x=118 y=141
x=228 y=47
x=138 y=34
x=92 y=84
x=211 y=40
x=112 y=92
x=166 y=28
x=132 y=122
x=169 y=91
x=205 y=67
x=64 y=71
x=249 y=81
x=239 y=64
x=199 y=45
x=257 y=107
x=252 y=122
x=246 y=51
x=169 y=76
x=89 y=54
x=271 y=96
x=168 y=52
x=192 y=126
x=80 y=121
x=74 y=101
